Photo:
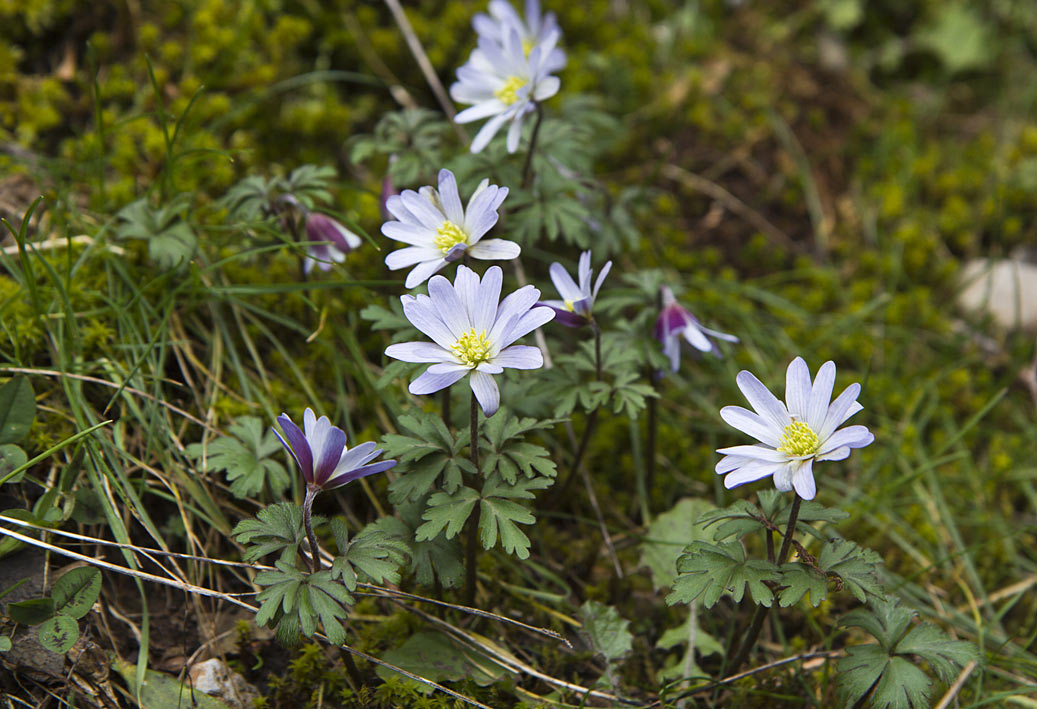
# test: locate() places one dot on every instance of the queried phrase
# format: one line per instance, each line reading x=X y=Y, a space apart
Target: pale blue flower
x=471 y=333
x=439 y=230
x=504 y=84
x=794 y=434
x=322 y=455
x=574 y=309
x=536 y=28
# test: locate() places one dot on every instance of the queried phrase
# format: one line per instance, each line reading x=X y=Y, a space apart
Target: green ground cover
x=811 y=178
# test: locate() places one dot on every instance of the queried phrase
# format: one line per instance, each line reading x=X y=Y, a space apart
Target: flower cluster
x=794 y=434
x=440 y=230
x=471 y=333
x=510 y=71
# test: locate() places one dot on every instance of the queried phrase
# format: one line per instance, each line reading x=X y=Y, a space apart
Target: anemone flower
x=439 y=230
x=535 y=29
x=574 y=309
x=332 y=241
x=676 y=322
x=504 y=85
x=794 y=434
x=322 y=455
x=471 y=334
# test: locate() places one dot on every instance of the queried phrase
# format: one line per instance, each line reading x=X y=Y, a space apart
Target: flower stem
x=307 y=505
x=597 y=351
x=472 y=549
x=588 y=429
x=761 y=611
x=527 y=174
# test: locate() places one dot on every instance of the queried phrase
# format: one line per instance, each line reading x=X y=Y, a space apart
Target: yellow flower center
x=569 y=305
x=472 y=348
x=527 y=46
x=508 y=93
x=448 y=236
x=799 y=439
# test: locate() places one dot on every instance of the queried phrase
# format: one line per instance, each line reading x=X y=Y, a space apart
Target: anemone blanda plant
x=471 y=333
x=794 y=434
x=504 y=85
x=330 y=242
x=440 y=230
x=675 y=323
x=326 y=462
x=575 y=307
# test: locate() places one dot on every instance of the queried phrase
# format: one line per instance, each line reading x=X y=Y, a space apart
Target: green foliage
x=17 y=409
x=412 y=141
x=245 y=456
x=171 y=240
x=711 y=570
x=431 y=454
x=293 y=601
x=504 y=452
x=71 y=598
x=277 y=528
x=886 y=672
x=437 y=657
x=431 y=559
x=667 y=536
x=374 y=555
x=606 y=631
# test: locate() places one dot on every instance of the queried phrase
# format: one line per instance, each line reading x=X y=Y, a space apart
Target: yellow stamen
x=448 y=236
x=798 y=439
x=508 y=93
x=527 y=46
x=569 y=306
x=472 y=348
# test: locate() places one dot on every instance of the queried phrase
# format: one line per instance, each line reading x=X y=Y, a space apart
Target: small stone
x=214 y=678
x=1006 y=290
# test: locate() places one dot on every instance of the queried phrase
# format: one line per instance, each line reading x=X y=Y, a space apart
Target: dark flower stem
x=761 y=611
x=597 y=351
x=592 y=418
x=472 y=550
x=527 y=172
x=307 y=505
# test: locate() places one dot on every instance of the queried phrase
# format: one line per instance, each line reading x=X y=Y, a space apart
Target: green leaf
x=799 y=580
x=500 y=514
x=5 y=643
x=436 y=657
x=59 y=633
x=171 y=241
x=159 y=690
x=960 y=36
x=856 y=567
x=11 y=457
x=737 y=520
x=31 y=612
x=447 y=511
x=705 y=644
x=17 y=410
x=606 y=631
x=710 y=570
x=667 y=536
x=885 y=669
x=375 y=554
x=438 y=557
x=439 y=453
x=277 y=528
x=245 y=457
x=75 y=592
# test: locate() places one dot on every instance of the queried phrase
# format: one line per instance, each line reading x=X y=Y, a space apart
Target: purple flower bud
x=676 y=322
x=337 y=241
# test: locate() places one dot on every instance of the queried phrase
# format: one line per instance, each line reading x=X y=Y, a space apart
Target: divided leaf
x=245 y=456
x=711 y=570
x=276 y=528
x=667 y=536
x=606 y=631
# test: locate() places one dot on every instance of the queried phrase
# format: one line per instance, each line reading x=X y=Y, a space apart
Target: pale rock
x=214 y=678
x=1006 y=290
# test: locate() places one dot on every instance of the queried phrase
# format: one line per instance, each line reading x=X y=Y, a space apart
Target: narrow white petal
x=756 y=453
x=783 y=477
x=525 y=324
x=750 y=472
x=484 y=307
x=564 y=283
x=486 y=133
x=448 y=304
x=797 y=389
x=761 y=399
x=430 y=383
x=852 y=436
x=430 y=217
x=844 y=406
x=520 y=357
x=490 y=368
x=486 y=392
x=409 y=233
x=450 y=198
x=838 y=454
x=419 y=352
x=481 y=214
x=514 y=133
x=495 y=250
x=601 y=278
x=803 y=480
x=546 y=88
x=424 y=317
x=410 y=255
x=821 y=395
x=420 y=273
x=748 y=422
x=513 y=305
x=696 y=339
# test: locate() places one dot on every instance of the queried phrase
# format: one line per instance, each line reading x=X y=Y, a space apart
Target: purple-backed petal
x=297 y=445
x=326 y=459
x=564 y=316
x=455 y=253
x=357 y=473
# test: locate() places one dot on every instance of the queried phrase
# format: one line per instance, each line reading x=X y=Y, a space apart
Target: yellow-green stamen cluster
x=448 y=236
x=527 y=46
x=569 y=305
x=508 y=93
x=798 y=439
x=472 y=348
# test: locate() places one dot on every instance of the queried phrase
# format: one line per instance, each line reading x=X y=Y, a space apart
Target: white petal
x=410 y=255
x=750 y=473
x=484 y=307
x=754 y=425
x=761 y=399
x=490 y=368
x=430 y=383
x=514 y=133
x=756 y=453
x=422 y=315
x=520 y=357
x=601 y=278
x=481 y=214
x=546 y=88
x=803 y=480
x=495 y=250
x=450 y=198
x=783 y=477
x=844 y=406
x=486 y=392
x=419 y=352
x=420 y=273
x=696 y=339
x=486 y=133
x=430 y=217
x=797 y=389
x=409 y=233
x=564 y=283
x=525 y=324
x=821 y=395
x=510 y=309
x=448 y=304
x=852 y=436
x=838 y=454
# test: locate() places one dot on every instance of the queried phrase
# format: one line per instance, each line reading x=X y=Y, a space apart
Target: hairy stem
x=761 y=611
x=527 y=169
x=307 y=505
